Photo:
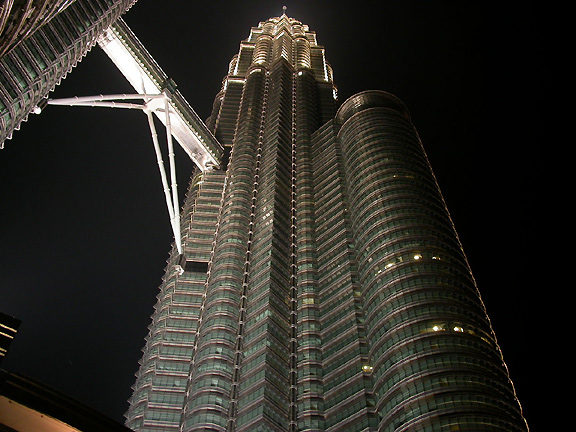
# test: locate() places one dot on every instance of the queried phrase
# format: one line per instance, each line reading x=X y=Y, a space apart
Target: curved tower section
x=19 y=19
x=325 y=288
x=434 y=359
x=59 y=37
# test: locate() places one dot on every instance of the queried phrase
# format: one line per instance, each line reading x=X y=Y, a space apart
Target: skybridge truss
x=156 y=95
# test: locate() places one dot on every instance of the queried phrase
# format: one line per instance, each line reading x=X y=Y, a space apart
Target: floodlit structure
x=21 y=18
x=324 y=287
x=156 y=94
x=147 y=78
x=52 y=37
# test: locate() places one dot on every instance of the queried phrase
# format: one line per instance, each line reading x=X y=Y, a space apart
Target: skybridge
x=146 y=77
x=155 y=95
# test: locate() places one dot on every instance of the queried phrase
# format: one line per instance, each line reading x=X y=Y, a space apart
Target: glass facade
x=31 y=69
x=161 y=381
x=20 y=18
x=324 y=288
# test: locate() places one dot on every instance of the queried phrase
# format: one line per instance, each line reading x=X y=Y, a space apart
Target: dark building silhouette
x=26 y=405
x=324 y=287
x=8 y=329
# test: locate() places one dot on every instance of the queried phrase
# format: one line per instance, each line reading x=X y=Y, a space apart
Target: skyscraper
x=35 y=58
x=324 y=286
x=20 y=19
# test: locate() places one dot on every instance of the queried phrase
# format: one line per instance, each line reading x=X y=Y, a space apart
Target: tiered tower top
x=281 y=37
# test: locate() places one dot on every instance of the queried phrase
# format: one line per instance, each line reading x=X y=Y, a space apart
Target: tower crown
x=275 y=25
x=280 y=38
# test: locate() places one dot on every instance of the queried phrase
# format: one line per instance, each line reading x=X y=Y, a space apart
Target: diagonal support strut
x=152 y=103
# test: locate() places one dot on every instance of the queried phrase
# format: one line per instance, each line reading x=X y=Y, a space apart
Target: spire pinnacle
x=284 y=10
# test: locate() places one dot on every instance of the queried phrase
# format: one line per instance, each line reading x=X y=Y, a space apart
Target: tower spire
x=284 y=10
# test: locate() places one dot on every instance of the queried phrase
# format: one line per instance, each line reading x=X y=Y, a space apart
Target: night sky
x=84 y=230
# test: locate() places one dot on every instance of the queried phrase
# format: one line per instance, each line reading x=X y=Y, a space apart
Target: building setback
x=324 y=287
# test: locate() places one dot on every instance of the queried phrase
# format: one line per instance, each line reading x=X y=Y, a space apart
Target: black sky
x=84 y=231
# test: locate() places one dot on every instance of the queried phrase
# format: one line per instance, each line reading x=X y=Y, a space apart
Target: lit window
x=417 y=256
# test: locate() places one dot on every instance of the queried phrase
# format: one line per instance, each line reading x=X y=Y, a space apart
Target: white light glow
x=325 y=66
x=135 y=70
x=128 y=65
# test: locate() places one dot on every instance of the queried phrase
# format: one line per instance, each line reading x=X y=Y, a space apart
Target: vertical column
x=264 y=387
x=262 y=51
x=302 y=53
x=216 y=360
x=309 y=385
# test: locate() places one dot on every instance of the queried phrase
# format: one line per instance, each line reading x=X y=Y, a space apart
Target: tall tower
x=35 y=55
x=324 y=288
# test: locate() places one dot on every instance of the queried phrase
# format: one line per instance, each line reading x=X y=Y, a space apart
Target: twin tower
x=324 y=286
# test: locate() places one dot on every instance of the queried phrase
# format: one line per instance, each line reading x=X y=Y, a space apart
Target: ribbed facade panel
x=159 y=391
x=432 y=351
x=347 y=384
x=310 y=390
x=267 y=325
x=35 y=66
